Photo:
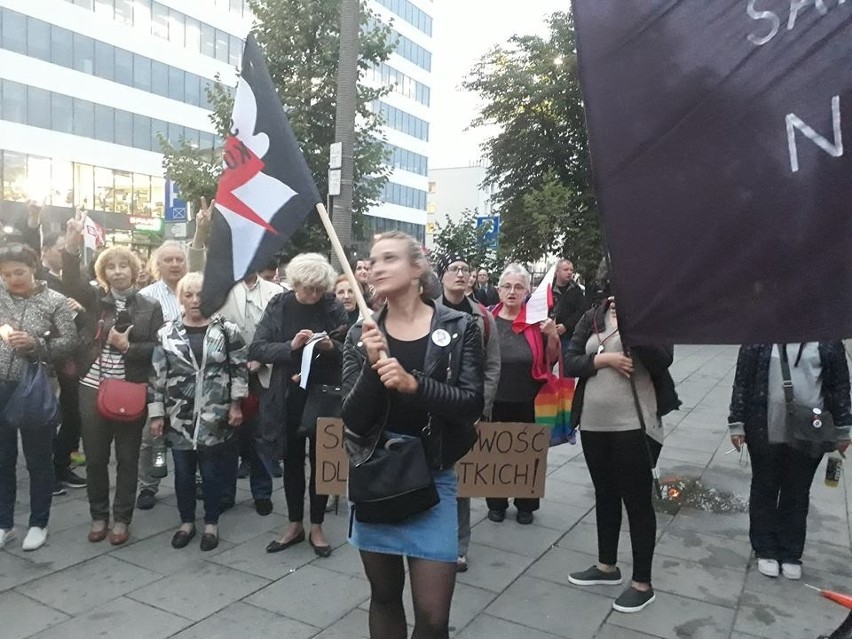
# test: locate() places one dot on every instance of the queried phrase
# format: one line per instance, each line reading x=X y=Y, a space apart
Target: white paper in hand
x=308 y=357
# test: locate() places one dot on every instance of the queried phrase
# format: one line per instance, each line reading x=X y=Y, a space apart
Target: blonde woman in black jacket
x=388 y=398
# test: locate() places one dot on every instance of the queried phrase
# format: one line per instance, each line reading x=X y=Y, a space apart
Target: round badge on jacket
x=441 y=337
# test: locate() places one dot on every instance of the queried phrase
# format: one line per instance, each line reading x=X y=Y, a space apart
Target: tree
x=301 y=42
x=465 y=238
x=539 y=161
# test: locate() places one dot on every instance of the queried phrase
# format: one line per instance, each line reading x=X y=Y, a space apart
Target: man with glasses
x=484 y=292
x=454 y=273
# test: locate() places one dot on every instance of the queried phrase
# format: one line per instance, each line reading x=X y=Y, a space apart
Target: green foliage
x=539 y=161
x=301 y=41
x=463 y=237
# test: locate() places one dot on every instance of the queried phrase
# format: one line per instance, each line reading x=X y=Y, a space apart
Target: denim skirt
x=431 y=535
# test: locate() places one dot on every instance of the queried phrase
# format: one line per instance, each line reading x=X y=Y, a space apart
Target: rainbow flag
x=553 y=409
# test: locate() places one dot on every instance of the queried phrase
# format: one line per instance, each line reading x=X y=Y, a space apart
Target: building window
x=193 y=35
x=62 y=183
x=142 y=72
x=141 y=132
x=14 y=103
x=84 y=54
x=142 y=16
x=176 y=27
x=124 y=67
x=62 y=113
x=403 y=121
x=84 y=180
x=104 y=61
x=176 y=84
x=158 y=127
x=208 y=40
x=14 y=32
x=123 y=128
x=104 y=125
x=123 y=191
x=38 y=107
x=14 y=177
x=124 y=12
x=61 y=45
x=159 y=78
x=160 y=21
x=38 y=39
x=141 y=204
x=84 y=118
x=236 y=51
x=192 y=89
x=104 y=190
x=222 y=45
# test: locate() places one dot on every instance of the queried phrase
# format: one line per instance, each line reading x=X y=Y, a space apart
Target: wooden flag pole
x=366 y=313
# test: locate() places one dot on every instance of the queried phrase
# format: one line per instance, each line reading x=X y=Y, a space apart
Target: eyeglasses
x=517 y=288
x=460 y=270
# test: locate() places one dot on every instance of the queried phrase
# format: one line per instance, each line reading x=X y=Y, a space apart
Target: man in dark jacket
x=569 y=301
x=484 y=292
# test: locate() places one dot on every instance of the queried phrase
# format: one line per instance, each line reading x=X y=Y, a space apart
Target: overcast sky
x=463 y=31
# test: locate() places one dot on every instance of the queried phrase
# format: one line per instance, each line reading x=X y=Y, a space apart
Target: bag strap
x=785 y=374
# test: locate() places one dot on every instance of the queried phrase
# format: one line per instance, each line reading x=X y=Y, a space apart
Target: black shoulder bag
x=810 y=429
x=394 y=482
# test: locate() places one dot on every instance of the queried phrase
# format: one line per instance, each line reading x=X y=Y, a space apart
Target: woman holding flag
x=412 y=380
x=529 y=348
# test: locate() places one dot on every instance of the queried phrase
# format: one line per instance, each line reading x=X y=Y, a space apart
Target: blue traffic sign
x=492 y=237
x=176 y=209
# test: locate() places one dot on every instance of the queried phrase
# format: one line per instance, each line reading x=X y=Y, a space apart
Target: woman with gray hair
x=527 y=355
x=291 y=321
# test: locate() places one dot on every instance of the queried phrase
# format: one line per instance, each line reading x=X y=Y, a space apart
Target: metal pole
x=347 y=80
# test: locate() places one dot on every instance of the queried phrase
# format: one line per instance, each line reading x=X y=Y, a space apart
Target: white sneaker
x=768 y=567
x=792 y=571
x=6 y=536
x=35 y=538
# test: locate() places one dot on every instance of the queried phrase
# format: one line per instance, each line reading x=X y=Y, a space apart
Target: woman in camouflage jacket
x=200 y=376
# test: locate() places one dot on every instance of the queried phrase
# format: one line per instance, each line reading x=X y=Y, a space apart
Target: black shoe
x=227 y=504
x=320 y=551
x=263 y=506
x=209 y=541
x=524 y=518
x=594 y=576
x=632 y=600
x=461 y=564
x=182 y=538
x=70 y=479
x=276 y=470
x=277 y=546
x=496 y=515
x=199 y=489
x=146 y=500
x=59 y=489
x=243 y=471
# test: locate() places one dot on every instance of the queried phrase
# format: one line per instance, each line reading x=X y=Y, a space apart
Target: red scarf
x=540 y=370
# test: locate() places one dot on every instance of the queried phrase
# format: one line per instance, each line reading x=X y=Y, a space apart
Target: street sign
x=335 y=155
x=176 y=209
x=177 y=230
x=492 y=237
x=334 y=182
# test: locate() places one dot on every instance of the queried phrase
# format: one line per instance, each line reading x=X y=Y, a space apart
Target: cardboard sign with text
x=508 y=460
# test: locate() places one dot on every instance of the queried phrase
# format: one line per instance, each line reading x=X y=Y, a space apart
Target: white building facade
x=452 y=191
x=406 y=111
x=86 y=86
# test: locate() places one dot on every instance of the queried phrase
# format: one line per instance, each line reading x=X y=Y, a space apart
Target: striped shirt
x=160 y=292
x=110 y=363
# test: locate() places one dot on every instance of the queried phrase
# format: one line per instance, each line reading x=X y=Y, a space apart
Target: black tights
x=432 y=585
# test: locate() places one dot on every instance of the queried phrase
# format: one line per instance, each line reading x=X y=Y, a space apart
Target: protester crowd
x=139 y=370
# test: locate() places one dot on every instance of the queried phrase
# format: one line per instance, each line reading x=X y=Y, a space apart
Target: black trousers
x=621 y=473
x=522 y=413
x=780 y=497
x=298 y=448
x=68 y=437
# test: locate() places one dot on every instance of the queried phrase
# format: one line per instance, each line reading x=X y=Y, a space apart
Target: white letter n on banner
x=834 y=149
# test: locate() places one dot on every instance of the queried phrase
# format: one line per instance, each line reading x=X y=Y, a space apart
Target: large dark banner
x=717 y=132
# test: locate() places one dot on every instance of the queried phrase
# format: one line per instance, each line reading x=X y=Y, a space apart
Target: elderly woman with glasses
x=527 y=355
x=36 y=325
x=290 y=322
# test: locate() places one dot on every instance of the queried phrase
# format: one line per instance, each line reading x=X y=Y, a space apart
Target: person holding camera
x=790 y=404
x=118 y=344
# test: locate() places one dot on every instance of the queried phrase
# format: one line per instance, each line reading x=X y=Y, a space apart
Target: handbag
x=323 y=400
x=34 y=401
x=119 y=400
x=395 y=482
x=553 y=405
x=810 y=429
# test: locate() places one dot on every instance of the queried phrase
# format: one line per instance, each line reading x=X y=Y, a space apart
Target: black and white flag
x=266 y=189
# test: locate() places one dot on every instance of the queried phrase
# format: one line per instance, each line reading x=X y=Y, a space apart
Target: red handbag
x=122 y=401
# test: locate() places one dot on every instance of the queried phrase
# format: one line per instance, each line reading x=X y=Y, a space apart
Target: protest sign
x=508 y=460
x=717 y=136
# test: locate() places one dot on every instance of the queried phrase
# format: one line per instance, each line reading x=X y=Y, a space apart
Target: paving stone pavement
x=517 y=587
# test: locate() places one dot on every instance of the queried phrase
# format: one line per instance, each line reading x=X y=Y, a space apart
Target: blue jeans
x=212 y=463
x=37 y=442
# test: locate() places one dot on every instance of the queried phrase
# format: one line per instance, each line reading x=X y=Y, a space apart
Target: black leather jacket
x=455 y=405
